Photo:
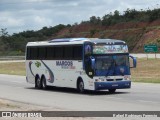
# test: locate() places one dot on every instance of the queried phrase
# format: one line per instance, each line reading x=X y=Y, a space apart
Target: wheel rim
x=43 y=83
x=38 y=82
x=81 y=86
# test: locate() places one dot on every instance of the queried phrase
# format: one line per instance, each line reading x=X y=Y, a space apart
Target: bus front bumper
x=112 y=85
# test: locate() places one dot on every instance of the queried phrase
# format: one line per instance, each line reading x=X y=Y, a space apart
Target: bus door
x=87 y=61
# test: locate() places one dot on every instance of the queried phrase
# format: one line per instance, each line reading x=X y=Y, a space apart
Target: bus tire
x=38 y=83
x=44 y=86
x=80 y=86
x=112 y=90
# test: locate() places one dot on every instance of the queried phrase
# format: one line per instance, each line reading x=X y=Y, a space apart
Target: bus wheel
x=80 y=86
x=112 y=90
x=38 y=83
x=44 y=86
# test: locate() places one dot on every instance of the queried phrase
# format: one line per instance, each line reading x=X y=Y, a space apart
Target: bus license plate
x=114 y=85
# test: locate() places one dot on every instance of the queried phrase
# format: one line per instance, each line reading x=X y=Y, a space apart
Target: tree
x=130 y=14
x=155 y=14
x=116 y=14
x=3 y=32
x=95 y=20
x=106 y=19
x=4 y=40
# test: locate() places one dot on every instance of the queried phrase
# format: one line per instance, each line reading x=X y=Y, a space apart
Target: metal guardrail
x=138 y=55
x=147 y=55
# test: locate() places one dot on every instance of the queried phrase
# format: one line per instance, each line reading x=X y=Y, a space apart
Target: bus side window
x=58 y=53
x=50 y=53
x=34 y=53
x=68 y=52
x=42 y=53
x=28 y=54
x=77 y=52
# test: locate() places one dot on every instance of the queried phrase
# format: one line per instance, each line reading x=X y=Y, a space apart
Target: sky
x=22 y=15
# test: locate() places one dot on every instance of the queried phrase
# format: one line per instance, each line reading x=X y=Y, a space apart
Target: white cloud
x=42 y=21
x=7 y=20
x=19 y=15
x=14 y=22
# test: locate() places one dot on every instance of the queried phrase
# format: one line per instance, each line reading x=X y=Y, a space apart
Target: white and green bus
x=80 y=63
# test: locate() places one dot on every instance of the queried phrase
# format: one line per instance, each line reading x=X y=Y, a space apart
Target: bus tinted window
x=77 y=52
x=68 y=52
x=55 y=52
x=58 y=52
x=42 y=52
x=34 y=53
x=28 y=54
x=50 y=53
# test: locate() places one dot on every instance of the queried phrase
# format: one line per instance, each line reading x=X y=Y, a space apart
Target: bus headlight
x=99 y=80
x=127 y=77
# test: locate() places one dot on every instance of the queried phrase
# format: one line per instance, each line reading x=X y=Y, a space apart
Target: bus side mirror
x=92 y=62
x=134 y=62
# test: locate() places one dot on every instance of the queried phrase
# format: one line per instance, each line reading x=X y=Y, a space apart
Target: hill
x=136 y=34
x=137 y=28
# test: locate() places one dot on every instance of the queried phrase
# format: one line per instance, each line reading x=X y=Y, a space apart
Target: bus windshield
x=112 y=65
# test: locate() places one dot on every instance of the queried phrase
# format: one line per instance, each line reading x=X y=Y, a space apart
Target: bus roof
x=71 y=41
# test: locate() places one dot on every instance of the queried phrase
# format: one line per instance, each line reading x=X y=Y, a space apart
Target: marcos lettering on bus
x=64 y=63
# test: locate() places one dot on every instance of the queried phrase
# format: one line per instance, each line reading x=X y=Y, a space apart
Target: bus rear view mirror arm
x=134 y=60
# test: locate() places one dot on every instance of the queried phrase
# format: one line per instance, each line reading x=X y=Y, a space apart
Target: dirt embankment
x=136 y=34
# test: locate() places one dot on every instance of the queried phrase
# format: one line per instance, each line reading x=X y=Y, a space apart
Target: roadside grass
x=14 y=68
x=147 y=70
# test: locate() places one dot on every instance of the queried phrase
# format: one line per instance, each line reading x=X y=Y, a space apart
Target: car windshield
x=111 y=65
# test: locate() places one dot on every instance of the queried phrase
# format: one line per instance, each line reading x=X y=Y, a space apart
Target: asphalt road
x=142 y=96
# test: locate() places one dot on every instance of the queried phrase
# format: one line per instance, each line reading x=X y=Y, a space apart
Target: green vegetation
x=15 y=44
x=130 y=15
x=146 y=71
